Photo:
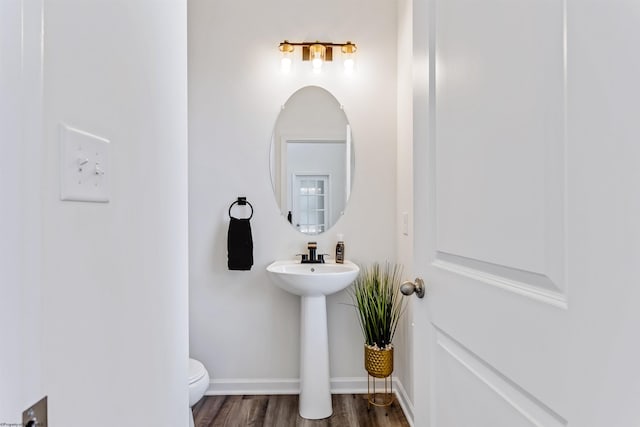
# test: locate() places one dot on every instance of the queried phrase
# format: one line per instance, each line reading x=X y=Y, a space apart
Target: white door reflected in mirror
x=312 y=160
x=310 y=203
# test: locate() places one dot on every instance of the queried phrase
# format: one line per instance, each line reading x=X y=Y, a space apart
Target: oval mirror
x=312 y=160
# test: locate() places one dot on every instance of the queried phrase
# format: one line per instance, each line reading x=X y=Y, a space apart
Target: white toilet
x=198 y=384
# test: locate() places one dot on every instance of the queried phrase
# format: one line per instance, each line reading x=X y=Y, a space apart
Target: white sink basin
x=313 y=282
x=313 y=279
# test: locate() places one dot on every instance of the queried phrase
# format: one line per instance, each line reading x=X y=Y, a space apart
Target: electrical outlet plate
x=36 y=416
x=84 y=169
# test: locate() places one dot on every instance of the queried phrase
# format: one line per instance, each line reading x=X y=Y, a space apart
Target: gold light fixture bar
x=308 y=47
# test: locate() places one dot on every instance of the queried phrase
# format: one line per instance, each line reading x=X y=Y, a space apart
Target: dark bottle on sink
x=340 y=250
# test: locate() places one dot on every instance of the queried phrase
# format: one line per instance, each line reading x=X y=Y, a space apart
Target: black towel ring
x=242 y=201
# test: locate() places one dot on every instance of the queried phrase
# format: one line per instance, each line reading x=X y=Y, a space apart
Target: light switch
x=84 y=166
x=405 y=223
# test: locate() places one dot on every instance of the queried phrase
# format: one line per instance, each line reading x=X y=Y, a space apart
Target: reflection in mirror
x=312 y=160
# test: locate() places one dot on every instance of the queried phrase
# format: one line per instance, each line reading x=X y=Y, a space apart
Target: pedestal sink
x=313 y=282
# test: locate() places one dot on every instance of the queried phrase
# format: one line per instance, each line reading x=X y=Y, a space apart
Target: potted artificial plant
x=377 y=299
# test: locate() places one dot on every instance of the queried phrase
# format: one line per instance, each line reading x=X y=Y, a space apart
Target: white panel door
x=527 y=172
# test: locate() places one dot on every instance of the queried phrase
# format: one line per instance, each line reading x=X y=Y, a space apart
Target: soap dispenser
x=340 y=250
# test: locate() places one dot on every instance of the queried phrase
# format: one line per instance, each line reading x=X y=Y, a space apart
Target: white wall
x=111 y=299
x=21 y=206
x=243 y=327
x=11 y=319
x=404 y=185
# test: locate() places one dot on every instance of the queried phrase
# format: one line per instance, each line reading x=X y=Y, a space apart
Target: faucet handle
x=321 y=257
x=305 y=257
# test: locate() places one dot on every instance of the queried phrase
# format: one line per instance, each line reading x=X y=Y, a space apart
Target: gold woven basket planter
x=378 y=363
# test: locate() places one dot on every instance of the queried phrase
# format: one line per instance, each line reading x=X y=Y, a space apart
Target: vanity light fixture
x=318 y=53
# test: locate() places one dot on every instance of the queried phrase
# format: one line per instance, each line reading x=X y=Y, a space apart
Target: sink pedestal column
x=315 y=392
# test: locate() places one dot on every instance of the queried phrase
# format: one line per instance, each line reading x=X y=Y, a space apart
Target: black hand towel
x=240 y=244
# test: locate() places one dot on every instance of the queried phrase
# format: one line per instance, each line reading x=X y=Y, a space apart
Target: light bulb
x=317 y=64
x=285 y=64
x=348 y=65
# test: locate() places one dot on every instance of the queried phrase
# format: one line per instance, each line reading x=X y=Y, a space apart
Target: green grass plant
x=379 y=303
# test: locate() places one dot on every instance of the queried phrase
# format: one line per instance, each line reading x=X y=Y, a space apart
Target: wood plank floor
x=349 y=410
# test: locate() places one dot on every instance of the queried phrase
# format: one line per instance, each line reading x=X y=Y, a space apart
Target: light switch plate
x=85 y=171
x=405 y=223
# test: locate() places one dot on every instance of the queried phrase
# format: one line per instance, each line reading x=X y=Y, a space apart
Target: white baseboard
x=403 y=399
x=253 y=386
x=349 y=385
x=339 y=385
